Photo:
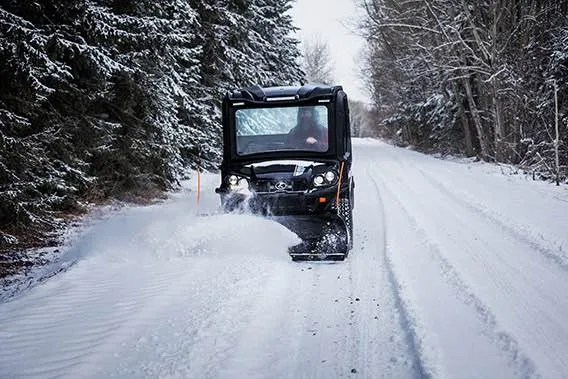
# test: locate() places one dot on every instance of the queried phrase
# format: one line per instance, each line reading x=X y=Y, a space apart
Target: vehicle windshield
x=261 y=130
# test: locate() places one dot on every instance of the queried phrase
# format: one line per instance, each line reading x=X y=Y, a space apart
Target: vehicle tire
x=345 y=211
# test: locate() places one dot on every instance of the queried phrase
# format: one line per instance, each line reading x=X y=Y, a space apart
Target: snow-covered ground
x=458 y=271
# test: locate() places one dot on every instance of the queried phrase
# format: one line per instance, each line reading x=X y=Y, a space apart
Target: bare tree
x=317 y=62
x=469 y=76
x=359 y=118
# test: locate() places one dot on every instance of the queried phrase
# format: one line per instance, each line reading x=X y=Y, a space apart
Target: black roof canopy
x=268 y=94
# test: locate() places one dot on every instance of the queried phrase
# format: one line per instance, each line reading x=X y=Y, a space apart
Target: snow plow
x=287 y=155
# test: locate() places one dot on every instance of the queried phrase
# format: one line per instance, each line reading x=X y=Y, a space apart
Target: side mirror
x=346 y=155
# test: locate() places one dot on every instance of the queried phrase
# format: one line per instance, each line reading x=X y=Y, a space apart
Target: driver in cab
x=308 y=134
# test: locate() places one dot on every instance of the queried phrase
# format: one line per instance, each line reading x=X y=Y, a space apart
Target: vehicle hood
x=282 y=169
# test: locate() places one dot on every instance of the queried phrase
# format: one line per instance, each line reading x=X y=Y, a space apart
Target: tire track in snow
x=425 y=368
x=507 y=254
x=555 y=255
x=527 y=295
x=504 y=341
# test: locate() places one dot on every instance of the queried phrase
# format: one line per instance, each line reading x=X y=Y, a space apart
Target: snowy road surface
x=458 y=271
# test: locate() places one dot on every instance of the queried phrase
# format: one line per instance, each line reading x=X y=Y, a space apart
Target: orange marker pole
x=339 y=184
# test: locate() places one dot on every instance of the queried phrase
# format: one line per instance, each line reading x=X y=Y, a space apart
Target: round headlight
x=233 y=180
x=243 y=183
x=319 y=180
x=330 y=176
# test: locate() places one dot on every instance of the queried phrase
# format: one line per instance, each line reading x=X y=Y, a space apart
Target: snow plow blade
x=323 y=238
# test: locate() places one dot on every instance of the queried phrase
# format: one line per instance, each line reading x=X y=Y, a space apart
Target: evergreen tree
x=36 y=171
x=273 y=23
x=118 y=98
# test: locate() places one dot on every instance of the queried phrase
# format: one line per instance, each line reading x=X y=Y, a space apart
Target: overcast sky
x=326 y=18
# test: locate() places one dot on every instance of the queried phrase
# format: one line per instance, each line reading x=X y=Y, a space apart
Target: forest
x=479 y=78
x=117 y=99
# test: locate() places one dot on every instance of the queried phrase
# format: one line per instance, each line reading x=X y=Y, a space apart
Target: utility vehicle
x=287 y=155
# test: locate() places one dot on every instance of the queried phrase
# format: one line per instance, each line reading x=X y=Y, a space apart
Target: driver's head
x=306 y=115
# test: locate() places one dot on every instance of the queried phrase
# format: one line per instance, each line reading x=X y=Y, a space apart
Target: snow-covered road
x=458 y=271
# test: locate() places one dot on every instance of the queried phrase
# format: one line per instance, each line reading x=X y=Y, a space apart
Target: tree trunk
x=468 y=142
x=475 y=116
x=498 y=119
x=498 y=134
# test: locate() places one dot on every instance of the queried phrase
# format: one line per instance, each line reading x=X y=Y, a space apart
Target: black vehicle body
x=280 y=182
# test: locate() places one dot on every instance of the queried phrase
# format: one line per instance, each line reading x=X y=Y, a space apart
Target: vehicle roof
x=308 y=91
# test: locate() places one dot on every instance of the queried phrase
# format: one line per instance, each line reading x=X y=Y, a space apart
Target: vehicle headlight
x=237 y=183
x=330 y=176
x=319 y=180
x=233 y=180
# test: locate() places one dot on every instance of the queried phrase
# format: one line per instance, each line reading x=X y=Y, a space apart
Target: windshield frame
x=283 y=153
